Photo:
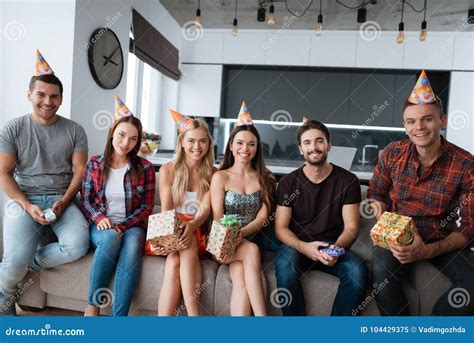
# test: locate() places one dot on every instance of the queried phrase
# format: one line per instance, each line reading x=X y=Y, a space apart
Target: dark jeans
x=290 y=265
x=266 y=239
x=458 y=266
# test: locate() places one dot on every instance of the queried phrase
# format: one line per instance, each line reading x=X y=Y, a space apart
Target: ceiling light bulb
x=400 y=37
x=424 y=31
x=197 y=20
x=319 y=25
x=401 y=34
x=271 y=19
x=271 y=15
x=235 y=31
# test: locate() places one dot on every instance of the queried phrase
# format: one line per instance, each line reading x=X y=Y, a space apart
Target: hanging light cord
x=403 y=7
x=320 y=6
x=363 y=4
x=413 y=7
x=199 y=4
x=298 y=15
x=235 y=14
x=424 y=13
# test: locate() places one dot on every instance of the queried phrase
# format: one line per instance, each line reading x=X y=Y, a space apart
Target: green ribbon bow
x=229 y=220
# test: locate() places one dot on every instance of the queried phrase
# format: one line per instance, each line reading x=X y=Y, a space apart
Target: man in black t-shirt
x=318 y=206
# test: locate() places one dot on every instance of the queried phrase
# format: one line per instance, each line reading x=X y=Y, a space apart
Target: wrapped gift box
x=223 y=236
x=164 y=231
x=392 y=228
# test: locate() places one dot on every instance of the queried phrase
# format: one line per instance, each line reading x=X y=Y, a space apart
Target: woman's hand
x=226 y=257
x=223 y=259
x=104 y=224
x=238 y=240
x=187 y=235
x=160 y=251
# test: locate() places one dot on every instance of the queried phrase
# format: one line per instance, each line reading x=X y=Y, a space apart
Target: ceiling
x=441 y=15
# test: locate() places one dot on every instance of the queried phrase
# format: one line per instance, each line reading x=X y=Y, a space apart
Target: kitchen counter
x=277 y=167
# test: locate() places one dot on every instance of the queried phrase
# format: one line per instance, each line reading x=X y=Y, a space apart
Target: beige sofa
x=66 y=286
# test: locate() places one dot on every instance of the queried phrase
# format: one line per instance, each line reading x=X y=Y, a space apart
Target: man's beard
x=319 y=163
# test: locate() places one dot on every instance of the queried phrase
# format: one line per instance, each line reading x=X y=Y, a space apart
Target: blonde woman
x=184 y=185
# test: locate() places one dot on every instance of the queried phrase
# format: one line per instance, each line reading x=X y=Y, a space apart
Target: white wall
x=2 y=51
x=24 y=30
x=92 y=106
x=200 y=90
x=461 y=110
x=441 y=50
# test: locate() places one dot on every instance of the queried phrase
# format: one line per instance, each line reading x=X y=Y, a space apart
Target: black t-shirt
x=317 y=208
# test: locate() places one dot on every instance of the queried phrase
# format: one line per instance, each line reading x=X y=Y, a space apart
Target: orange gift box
x=392 y=229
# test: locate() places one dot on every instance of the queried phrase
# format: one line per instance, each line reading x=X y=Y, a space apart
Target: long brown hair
x=180 y=180
x=132 y=155
x=265 y=177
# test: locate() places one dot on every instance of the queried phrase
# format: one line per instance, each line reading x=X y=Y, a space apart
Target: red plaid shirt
x=440 y=199
x=139 y=193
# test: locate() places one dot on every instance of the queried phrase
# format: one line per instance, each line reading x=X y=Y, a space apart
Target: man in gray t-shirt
x=42 y=158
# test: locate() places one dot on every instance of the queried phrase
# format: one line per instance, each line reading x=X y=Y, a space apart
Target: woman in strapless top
x=184 y=186
x=244 y=187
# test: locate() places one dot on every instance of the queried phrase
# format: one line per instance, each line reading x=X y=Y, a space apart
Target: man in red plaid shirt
x=430 y=180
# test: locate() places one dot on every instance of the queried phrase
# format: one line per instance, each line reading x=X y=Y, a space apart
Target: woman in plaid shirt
x=117 y=197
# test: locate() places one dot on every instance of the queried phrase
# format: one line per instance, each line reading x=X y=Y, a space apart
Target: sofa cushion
x=149 y=286
x=72 y=281
x=314 y=282
x=69 y=280
x=430 y=283
x=31 y=293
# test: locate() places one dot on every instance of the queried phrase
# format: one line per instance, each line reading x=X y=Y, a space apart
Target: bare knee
x=236 y=270
x=191 y=250
x=252 y=252
x=172 y=266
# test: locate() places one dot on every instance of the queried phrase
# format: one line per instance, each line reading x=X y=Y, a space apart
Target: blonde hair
x=180 y=180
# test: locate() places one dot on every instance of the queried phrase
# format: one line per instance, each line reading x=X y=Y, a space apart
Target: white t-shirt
x=115 y=195
x=190 y=205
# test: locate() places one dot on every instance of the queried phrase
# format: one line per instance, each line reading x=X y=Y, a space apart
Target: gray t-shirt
x=44 y=152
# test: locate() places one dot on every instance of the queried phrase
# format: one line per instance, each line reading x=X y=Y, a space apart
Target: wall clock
x=105 y=58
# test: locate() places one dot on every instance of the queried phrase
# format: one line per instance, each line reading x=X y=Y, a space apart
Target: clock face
x=105 y=58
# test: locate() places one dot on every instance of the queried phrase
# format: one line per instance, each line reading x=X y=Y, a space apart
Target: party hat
x=244 y=116
x=42 y=67
x=121 y=111
x=181 y=120
x=305 y=119
x=422 y=93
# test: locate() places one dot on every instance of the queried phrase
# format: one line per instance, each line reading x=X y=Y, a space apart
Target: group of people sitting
x=316 y=207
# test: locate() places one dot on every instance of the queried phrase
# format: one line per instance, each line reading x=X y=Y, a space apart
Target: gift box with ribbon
x=163 y=231
x=392 y=229
x=223 y=236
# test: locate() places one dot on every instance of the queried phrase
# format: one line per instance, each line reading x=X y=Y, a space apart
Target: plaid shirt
x=139 y=193
x=440 y=198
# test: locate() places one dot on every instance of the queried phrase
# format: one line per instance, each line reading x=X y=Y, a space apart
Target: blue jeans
x=123 y=251
x=21 y=235
x=458 y=266
x=290 y=265
x=265 y=239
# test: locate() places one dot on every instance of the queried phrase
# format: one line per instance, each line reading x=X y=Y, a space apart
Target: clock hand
x=107 y=60
x=113 y=52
